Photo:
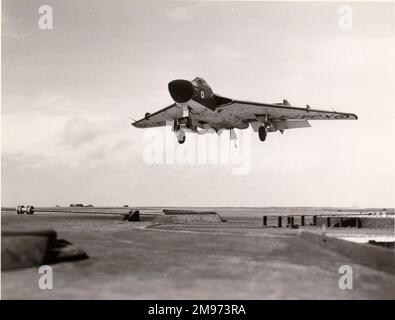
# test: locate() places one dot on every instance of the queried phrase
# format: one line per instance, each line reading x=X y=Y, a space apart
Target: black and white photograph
x=216 y=152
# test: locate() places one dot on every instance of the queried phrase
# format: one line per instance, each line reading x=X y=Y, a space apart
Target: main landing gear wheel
x=180 y=136
x=262 y=133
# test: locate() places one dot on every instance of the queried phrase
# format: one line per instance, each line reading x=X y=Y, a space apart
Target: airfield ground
x=237 y=259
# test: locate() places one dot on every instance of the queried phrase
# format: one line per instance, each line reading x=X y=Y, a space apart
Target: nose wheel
x=262 y=132
x=185 y=122
x=180 y=134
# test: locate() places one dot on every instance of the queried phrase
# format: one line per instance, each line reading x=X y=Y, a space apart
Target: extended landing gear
x=262 y=133
x=186 y=122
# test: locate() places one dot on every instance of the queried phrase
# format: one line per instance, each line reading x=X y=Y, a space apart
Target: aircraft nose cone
x=181 y=90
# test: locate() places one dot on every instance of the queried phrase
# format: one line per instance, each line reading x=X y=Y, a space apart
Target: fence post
x=264 y=221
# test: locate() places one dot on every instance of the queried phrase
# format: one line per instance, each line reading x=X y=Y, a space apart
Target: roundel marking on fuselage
x=202 y=94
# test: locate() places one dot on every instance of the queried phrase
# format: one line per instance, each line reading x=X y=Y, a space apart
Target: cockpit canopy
x=218 y=100
x=200 y=81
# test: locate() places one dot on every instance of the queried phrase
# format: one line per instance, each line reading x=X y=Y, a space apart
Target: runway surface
x=237 y=259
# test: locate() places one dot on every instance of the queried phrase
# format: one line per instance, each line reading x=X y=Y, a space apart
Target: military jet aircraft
x=198 y=109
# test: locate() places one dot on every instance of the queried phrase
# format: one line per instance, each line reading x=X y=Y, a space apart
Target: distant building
x=72 y=205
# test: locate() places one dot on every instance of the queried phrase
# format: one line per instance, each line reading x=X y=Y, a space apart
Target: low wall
x=356 y=222
x=369 y=255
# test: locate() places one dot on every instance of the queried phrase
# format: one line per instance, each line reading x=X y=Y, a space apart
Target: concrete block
x=23 y=251
x=133 y=215
x=33 y=248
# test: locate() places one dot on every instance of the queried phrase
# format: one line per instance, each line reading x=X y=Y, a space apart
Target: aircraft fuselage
x=203 y=104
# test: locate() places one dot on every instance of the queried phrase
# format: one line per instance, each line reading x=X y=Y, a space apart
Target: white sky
x=67 y=94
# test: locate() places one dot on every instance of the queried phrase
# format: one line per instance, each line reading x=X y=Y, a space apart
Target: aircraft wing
x=284 y=111
x=159 y=118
